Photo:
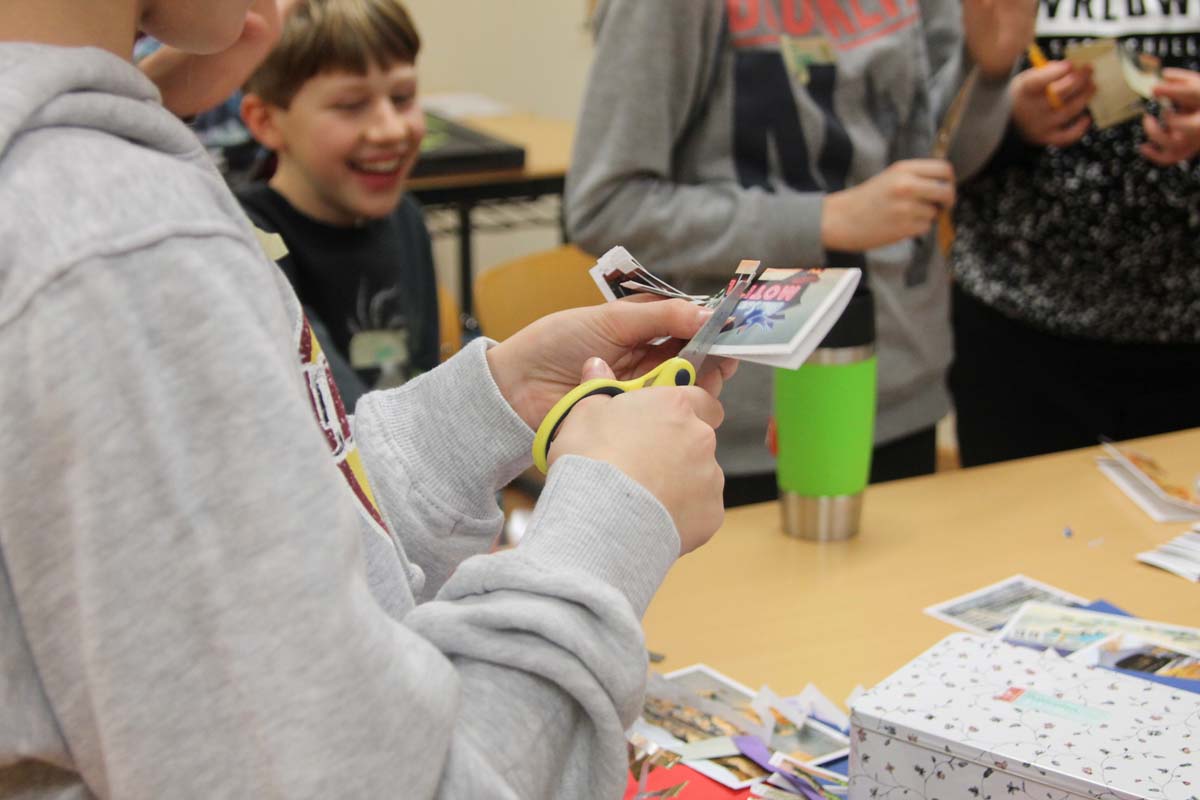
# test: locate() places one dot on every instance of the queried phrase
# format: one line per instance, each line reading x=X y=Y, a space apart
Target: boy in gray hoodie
x=212 y=582
x=799 y=133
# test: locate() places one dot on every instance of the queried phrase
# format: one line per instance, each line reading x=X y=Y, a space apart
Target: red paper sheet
x=698 y=786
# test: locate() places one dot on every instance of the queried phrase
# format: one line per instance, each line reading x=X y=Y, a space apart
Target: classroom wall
x=531 y=55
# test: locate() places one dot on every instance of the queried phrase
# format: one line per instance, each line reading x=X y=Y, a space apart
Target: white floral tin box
x=977 y=719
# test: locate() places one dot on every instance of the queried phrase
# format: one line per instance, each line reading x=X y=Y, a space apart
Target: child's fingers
x=1156 y=155
x=1166 y=146
x=937 y=169
x=596 y=367
x=1070 y=134
x=1070 y=111
x=1036 y=79
x=1181 y=87
x=937 y=193
x=1155 y=132
x=714 y=374
x=1187 y=126
x=631 y=322
x=1073 y=86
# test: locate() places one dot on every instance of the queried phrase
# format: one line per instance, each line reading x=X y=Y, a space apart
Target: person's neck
x=295 y=189
x=109 y=24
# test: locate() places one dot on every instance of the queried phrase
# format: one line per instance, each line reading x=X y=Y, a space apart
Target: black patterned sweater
x=1091 y=241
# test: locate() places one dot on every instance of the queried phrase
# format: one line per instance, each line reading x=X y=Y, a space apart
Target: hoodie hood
x=80 y=132
x=83 y=87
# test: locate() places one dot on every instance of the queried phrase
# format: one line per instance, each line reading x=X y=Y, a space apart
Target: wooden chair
x=449 y=326
x=511 y=295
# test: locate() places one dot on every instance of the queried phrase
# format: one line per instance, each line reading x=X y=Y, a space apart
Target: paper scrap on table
x=1163 y=497
x=1180 y=556
x=811 y=702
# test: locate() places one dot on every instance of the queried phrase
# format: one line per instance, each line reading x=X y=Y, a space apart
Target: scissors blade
x=954 y=115
x=696 y=350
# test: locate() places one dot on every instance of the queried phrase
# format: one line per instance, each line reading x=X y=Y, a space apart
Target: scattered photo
x=688 y=719
x=802 y=739
x=989 y=609
x=1126 y=651
x=1069 y=630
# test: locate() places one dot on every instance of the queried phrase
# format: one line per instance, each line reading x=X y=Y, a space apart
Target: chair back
x=511 y=295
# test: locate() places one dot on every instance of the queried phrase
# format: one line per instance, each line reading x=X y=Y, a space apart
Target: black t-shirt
x=371 y=287
x=1090 y=241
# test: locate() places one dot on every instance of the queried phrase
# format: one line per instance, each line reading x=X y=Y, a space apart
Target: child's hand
x=1177 y=138
x=1039 y=120
x=997 y=32
x=661 y=437
x=539 y=364
x=899 y=203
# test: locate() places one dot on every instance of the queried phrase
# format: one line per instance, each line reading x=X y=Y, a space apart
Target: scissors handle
x=672 y=372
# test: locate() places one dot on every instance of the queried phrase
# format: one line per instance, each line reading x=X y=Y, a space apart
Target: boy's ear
x=259 y=117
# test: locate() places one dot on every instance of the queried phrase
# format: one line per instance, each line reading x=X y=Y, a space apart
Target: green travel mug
x=825 y=421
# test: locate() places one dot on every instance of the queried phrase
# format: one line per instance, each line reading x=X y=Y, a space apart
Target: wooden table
x=547 y=144
x=765 y=608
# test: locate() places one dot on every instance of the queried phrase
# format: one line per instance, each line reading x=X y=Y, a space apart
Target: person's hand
x=539 y=364
x=899 y=203
x=997 y=33
x=1177 y=137
x=1039 y=121
x=661 y=437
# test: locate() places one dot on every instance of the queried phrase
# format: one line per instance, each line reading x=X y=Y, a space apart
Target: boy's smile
x=347 y=142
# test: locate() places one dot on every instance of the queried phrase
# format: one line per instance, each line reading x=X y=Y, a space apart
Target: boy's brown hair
x=334 y=35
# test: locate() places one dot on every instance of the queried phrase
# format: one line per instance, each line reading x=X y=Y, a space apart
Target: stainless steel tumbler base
x=821 y=519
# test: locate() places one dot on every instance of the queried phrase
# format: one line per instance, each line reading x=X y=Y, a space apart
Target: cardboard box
x=974 y=717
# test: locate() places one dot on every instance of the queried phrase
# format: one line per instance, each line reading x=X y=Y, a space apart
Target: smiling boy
x=337 y=102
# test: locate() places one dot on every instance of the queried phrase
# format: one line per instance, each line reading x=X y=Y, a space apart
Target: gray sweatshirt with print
x=712 y=130
x=206 y=592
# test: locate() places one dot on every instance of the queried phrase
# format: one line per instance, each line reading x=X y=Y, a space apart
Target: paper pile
x=721 y=729
x=1029 y=613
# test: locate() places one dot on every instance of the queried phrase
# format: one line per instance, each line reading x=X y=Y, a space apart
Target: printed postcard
x=987 y=610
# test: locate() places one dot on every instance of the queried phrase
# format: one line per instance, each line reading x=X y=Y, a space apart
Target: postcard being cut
x=779 y=321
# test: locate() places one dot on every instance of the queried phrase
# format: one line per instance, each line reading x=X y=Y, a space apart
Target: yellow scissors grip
x=672 y=372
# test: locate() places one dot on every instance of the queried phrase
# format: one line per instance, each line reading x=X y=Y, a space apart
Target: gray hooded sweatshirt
x=712 y=131
x=206 y=592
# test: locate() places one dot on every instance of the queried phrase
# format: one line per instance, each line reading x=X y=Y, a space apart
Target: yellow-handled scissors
x=678 y=371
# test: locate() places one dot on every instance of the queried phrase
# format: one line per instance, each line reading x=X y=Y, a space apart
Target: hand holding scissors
x=680 y=370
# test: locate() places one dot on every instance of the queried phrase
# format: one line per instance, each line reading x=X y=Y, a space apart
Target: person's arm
x=432 y=426
x=650 y=75
x=989 y=35
x=190 y=569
